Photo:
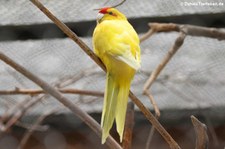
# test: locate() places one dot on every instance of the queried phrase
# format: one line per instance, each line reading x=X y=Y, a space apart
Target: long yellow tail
x=115 y=105
x=121 y=107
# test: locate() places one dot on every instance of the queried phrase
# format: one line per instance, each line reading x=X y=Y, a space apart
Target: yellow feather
x=117 y=44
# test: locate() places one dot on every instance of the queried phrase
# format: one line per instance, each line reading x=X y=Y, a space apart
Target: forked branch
x=178 y=43
x=184 y=31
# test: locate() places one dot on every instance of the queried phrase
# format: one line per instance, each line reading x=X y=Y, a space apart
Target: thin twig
x=19 y=91
x=17 y=115
x=90 y=53
x=157 y=115
x=128 y=128
x=30 y=126
x=33 y=128
x=201 y=134
x=152 y=100
x=66 y=102
x=68 y=80
x=106 y=2
x=8 y=113
x=147 y=35
x=178 y=43
x=114 y=6
x=11 y=122
x=149 y=139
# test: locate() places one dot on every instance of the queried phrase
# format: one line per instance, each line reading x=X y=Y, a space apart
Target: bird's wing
x=125 y=47
x=123 y=52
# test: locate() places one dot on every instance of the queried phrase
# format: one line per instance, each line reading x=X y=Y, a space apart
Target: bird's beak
x=99 y=17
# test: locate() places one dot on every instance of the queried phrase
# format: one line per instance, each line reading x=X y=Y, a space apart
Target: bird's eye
x=110 y=13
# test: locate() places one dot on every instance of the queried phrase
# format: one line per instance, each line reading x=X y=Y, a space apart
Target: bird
x=116 y=43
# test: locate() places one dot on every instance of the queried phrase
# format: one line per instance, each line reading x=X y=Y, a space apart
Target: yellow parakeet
x=117 y=44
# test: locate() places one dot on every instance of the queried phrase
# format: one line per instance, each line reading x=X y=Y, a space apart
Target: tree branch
x=191 y=30
x=184 y=30
x=66 y=102
x=19 y=91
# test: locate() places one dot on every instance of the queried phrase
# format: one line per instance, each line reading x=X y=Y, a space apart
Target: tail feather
x=110 y=103
x=121 y=108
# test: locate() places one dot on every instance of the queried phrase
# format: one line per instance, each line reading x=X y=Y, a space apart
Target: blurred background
x=192 y=83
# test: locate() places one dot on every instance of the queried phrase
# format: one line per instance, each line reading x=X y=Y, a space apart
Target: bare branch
x=191 y=30
x=30 y=126
x=39 y=91
x=66 y=102
x=68 y=80
x=129 y=124
x=184 y=30
x=157 y=115
x=203 y=31
x=114 y=6
x=11 y=120
x=201 y=134
x=149 y=139
x=33 y=128
x=147 y=35
x=152 y=100
x=178 y=43
x=106 y=2
x=164 y=27
x=8 y=113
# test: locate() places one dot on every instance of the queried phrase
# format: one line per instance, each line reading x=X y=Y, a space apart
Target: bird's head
x=110 y=14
